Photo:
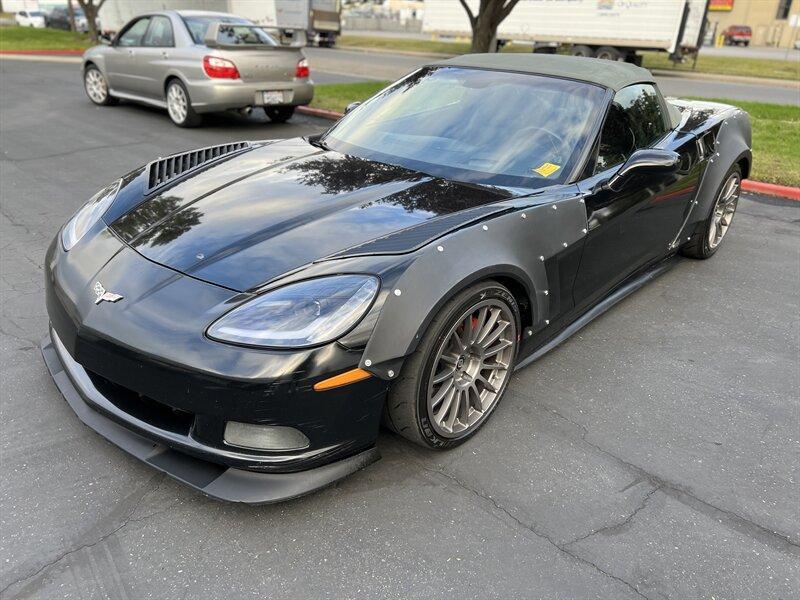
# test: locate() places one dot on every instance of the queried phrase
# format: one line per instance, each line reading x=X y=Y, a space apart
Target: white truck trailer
x=320 y=19
x=611 y=29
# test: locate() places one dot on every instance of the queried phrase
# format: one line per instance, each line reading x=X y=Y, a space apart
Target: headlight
x=88 y=215
x=299 y=315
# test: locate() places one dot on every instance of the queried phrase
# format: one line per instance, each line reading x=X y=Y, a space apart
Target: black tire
x=699 y=246
x=608 y=53
x=182 y=118
x=90 y=74
x=407 y=404
x=279 y=114
x=581 y=50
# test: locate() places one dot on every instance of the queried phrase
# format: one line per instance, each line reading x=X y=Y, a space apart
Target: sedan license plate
x=272 y=97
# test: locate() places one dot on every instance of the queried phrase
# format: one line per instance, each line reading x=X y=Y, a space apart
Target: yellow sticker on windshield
x=546 y=169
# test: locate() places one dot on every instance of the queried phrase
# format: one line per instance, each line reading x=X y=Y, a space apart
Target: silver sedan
x=195 y=62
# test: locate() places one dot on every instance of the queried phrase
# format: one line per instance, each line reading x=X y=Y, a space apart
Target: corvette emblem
x=103 y=295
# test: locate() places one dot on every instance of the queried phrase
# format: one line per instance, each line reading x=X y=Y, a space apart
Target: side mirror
x=104 y=39
x=351 y=106
x=646 y=161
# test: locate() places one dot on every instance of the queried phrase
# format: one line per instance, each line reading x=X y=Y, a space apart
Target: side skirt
x=598 y=309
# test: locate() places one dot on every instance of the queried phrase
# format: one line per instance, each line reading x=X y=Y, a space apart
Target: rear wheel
x=96 y=86
x=581 y=50
x=279 y=114
x=709 y=233
x=453 y=381
x=179 y=106
x=608 y=53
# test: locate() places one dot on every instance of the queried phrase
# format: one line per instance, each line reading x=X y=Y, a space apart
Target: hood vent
x=166 y=169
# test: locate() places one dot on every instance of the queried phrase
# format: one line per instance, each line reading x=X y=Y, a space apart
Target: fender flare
x=515 y=243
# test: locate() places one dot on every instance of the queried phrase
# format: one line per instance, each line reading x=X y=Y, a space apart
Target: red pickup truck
x=737 y=35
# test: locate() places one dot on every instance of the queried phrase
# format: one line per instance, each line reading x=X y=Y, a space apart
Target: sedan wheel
x=179 y=106
x=96 y=86
x=455 y=378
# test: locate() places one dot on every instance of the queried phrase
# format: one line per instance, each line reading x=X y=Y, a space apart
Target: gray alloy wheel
x=451 y=383
x=179 y=105
x=707 y=236
x=471 y=367
x=96 y=86
x=725 y=207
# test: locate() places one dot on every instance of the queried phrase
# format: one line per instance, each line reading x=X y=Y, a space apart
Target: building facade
x=774 y=22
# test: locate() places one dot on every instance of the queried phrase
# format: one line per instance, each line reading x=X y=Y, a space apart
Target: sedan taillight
x=219 y=68
x=302 y=71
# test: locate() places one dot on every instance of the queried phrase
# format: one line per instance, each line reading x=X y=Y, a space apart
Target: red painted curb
x=45 y=52
x=771 y=189
x=320 y=112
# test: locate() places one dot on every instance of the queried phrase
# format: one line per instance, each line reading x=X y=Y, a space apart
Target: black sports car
x=244 y=316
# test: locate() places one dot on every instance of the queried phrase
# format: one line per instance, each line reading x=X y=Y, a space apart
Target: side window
x=160 y=33
x=635 y=120
x=132 y=36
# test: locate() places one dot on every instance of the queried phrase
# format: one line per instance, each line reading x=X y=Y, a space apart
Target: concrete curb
x=73 y=52
x=323 y=113
x=771 y=189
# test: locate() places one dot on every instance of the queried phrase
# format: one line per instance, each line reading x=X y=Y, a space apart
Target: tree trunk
x=484 y=35
x=91 y=21
x=71 y=16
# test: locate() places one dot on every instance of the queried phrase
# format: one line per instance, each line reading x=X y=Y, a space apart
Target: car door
x=152 y=58
x=633 y=226
x=121 y=57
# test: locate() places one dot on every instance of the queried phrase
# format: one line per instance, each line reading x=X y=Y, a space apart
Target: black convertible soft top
x=611 y=74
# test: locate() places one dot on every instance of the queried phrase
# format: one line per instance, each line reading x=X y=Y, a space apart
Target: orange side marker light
x=345 y=378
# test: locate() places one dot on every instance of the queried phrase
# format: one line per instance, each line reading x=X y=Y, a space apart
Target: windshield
x=35 y=13
x=229 y=35
x=473 y=125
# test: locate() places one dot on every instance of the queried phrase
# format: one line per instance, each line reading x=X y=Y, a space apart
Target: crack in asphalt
x=76 y=151
x=777 y=540
x=42 y=570
x=614 y=527
x=528 y=527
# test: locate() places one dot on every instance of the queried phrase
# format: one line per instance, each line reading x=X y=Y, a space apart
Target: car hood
x=279 y=206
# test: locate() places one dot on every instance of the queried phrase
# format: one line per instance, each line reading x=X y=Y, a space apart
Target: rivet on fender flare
x=440 y=248
x=564 y=244
x=524 y=216
x=368 y=363
x=397 y=292
x=547 y=292
x=390 y=373
x=541 y=258
x=485 y=228
x=547 y=321
x=555 y=207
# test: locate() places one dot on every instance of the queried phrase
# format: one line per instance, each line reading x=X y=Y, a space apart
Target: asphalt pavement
x=654 y=454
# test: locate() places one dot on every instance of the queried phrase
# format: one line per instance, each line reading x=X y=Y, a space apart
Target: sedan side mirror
x=646 y=161
x=351 y=106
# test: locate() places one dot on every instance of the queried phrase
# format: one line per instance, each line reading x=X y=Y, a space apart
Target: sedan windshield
x=474 y=125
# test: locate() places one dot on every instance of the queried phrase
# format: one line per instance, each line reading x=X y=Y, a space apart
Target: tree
x=91 y=8
x=484 y=25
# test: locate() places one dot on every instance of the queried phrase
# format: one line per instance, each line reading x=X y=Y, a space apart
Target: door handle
x=164 y=54
x=130 y=52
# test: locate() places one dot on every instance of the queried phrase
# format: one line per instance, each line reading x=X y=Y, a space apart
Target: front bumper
x=143 y=365
x=161 y=448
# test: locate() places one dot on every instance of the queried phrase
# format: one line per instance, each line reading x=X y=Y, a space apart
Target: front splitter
x=217 y=481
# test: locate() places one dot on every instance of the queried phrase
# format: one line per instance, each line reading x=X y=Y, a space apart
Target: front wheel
x=708 y=234
x=453 y=381
x=96 y=86
x=279 y=114
x=179 y=106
